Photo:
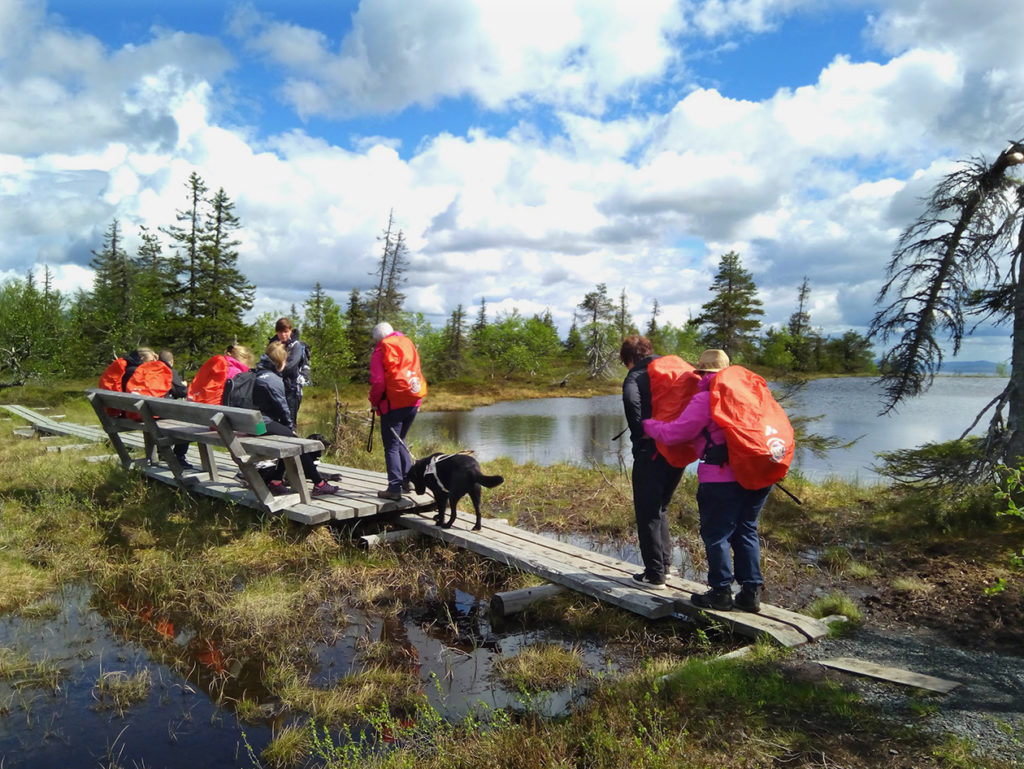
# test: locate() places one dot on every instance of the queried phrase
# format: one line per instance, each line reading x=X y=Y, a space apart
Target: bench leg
x=297 y=478
x=209 y=460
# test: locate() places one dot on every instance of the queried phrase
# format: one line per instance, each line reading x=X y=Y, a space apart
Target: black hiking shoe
x=748 y=599
x=719 y=599
x=655 y=582
x=324 y=488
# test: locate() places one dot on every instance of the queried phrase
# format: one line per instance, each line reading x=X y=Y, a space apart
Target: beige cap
x=712 y=360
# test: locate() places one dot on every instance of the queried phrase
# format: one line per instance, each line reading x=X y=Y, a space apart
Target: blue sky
x=529 y=150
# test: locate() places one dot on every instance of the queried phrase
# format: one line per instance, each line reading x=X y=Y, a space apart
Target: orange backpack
x=207 y=386
x=152 y=378
x=111 y=379
x=403 y=379
x=757 y=430
x=673 y=383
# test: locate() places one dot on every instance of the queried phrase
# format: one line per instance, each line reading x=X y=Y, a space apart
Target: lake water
x=581 y=430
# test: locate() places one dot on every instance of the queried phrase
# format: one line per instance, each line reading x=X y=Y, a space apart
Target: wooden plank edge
x=891 y=674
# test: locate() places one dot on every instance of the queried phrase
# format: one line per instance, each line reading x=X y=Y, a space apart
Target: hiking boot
x=394 y=496
x=658 y=583
x=323 y=488
x=719 y=599
x=749 y=598
x=277 y=488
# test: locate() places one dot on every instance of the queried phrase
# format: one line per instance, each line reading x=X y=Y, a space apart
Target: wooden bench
x=165 y=422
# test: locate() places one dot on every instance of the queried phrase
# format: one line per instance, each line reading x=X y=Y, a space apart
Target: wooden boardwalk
x=602 y=577
x=358 y=497
x=609 y=579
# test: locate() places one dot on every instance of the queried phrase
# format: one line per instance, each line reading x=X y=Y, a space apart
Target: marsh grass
x=349 y=695
x=22 y=672
x=119 y=690
x=289 y=747
x=264 y=607
x=541 y=667
x=836 y=603
x=912 y=585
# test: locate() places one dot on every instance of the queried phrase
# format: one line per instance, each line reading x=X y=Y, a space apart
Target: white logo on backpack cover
x=414 y=383
x=776 y=449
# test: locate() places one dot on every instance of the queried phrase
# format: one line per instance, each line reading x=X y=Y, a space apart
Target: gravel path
x=987 y=708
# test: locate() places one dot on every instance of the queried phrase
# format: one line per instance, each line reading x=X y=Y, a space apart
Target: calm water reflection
x=580 y=430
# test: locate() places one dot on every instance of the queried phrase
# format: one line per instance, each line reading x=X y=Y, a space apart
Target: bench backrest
x=241 y=420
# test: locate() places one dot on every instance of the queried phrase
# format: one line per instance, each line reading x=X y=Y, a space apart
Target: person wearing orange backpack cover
x=397 y=388
x=728 y=512
x=654 y=479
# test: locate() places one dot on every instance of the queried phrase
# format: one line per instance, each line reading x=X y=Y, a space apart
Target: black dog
x=450 y=477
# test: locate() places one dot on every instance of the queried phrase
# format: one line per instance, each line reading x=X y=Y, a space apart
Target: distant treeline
x=184 y=292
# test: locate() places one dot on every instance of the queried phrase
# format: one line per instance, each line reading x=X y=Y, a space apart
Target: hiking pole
x=369 y=437
x=620 y=434
x=789 y=493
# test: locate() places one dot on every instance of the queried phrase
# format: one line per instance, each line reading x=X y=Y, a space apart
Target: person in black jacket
x=296 y=371
x=654 y=479
x=268 y=395
x=178 y=391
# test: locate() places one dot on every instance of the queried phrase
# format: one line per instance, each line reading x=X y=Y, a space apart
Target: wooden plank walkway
x=609 y=579
x=599 y=576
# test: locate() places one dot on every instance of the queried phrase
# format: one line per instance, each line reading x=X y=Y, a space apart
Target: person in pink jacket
x=728 y=512
x=239 y=359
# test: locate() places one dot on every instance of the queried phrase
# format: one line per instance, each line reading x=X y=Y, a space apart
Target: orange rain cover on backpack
x=403 y=379
x=152 y=378
x=207 y=386
x=110 y=379
x=673 y=383
x=757 y=430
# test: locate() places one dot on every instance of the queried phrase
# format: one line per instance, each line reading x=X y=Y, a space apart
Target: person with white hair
x=397 y=388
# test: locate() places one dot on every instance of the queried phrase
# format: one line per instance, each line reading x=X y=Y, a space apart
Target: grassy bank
x=257 y=598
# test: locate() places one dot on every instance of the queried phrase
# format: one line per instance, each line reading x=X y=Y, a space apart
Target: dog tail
x=490 y=481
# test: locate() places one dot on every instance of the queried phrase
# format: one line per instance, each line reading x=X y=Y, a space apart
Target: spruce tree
x=599 y=331
x=386 y=298
x=360 y=342
x=800 y=344
x=729 y=320
x=454 y=353
x=224 y=294
x=623 y=319
x=323 y=329
x=110 y=318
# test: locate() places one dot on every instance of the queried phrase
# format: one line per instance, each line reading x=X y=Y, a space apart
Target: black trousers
x=654 y=482
x=308 y=462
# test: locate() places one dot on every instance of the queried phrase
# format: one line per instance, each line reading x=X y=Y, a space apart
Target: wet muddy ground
x=70 y=702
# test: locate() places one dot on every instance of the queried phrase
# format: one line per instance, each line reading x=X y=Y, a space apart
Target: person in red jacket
x=728 y=512
x=397 y=388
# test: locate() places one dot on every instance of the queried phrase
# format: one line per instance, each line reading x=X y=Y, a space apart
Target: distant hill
x=970 y=367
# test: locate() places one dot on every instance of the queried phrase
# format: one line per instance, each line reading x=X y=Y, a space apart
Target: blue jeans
x=728 y=521
x=394 y=426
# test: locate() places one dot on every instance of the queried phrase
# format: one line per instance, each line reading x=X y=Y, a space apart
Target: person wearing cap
x=728 y=512
x=654 y=479
x=397 y=388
